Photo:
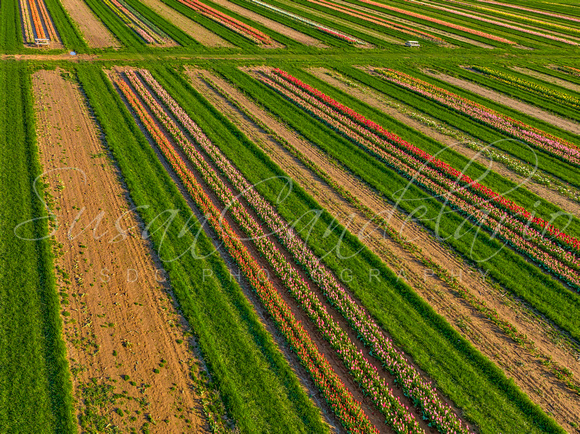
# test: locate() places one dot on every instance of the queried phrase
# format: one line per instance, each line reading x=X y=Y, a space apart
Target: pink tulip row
x=376 y=20
x=496 y=23
x=536 y=11
x=360 y=368
x=229 y=22
x=517 y=234
x=437 y=21
x=519 y=212
x=347 y=409
x=421 y=392
x=535 y=137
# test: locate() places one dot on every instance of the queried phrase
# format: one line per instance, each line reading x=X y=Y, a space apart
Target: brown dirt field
x=271 y=24
x=525 y=367
x=93 y=30
x=193 y=29
x=510 y=102
x=375 y=99
x=119 y=317
x=549 y=78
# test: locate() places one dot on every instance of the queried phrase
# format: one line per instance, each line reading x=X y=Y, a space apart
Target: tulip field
x=276 y=216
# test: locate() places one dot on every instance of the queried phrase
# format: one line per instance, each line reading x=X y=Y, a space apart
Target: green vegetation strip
x=259 y=388
x=35 y=389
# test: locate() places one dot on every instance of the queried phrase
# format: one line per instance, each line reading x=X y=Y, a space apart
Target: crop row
x=315 y=25
x=134 y=20
x=536 y=11
x=230 y=23
x=556 y=146
x=377 y=20
x=37 y=21
x=423 y=394
x=497 y=23
x=439 y=22
x=493 y=212
x=332 y=388
x=362 y=371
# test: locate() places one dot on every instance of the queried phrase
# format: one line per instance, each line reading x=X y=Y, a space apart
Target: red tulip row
x=545 y=251
x=229 y=22
x=519 y=212
x=423 y=394
x=376 y=20
x=437 y=21
x=347 y=409
x=366 y=375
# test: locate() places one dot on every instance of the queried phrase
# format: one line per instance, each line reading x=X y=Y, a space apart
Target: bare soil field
x=526 y=367
x=127 y=344
x=93 y=30
x=193 y=29
x=510 y=102
x=271 y=24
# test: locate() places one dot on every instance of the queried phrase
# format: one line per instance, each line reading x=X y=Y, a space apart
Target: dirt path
x=193 y=29
x=526 y=368
x=93 y=30
x=271 y=24
x=375 y=100
x=123 y=333
x=510 y=102
x=549 y=78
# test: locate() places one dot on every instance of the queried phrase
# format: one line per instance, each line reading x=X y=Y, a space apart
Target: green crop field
x=357 y=216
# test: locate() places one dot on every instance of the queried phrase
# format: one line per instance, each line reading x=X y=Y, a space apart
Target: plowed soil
x=93 y=30
x=525 y=368
x=127 y=344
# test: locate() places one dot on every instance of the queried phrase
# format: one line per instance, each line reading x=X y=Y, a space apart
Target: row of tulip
x=536 y=11
x=560 y=97
x=359 y=367
x=570 y=70
x=537 y=138
x=347 y=409
x=428 y=174
x=519 y=212
x=515 y=16
x=237 y=26
x=421 y=392
x=438 y=21
x=317 y=26
x=26 y=22
x=494 y=22
x=377 y=20
x=136 y=21
x=36 y=21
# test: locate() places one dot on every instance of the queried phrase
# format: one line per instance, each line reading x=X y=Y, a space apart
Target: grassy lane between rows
x=35 y=387
x=259 y=388
x=477 y=386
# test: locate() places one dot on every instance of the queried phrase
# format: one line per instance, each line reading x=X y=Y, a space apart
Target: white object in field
x=41 y=41
x=412 y=44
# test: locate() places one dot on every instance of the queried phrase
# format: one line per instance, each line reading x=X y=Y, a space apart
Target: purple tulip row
x=547 y=253
x=366 y=375
x=421 y=392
